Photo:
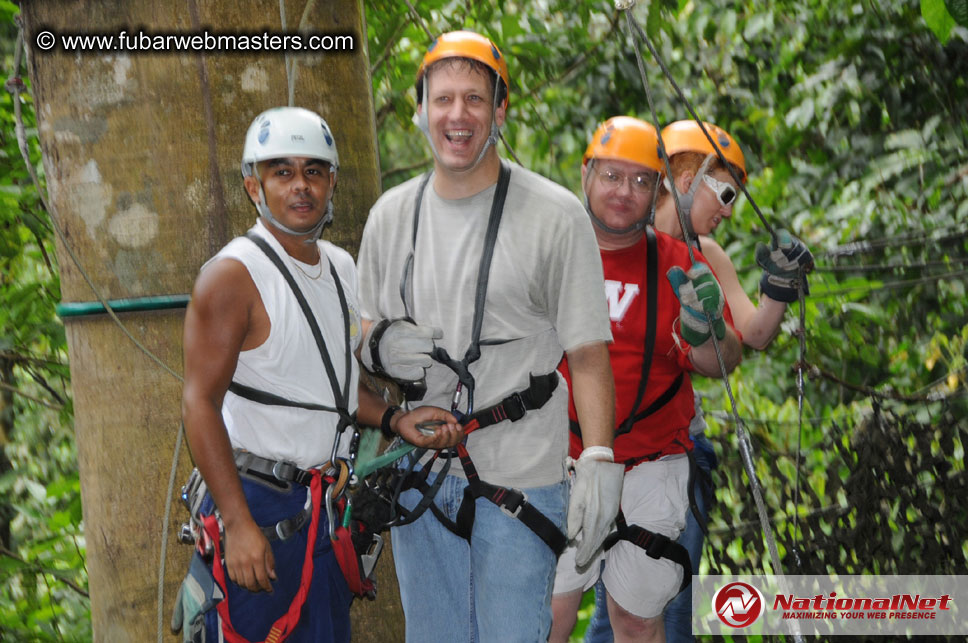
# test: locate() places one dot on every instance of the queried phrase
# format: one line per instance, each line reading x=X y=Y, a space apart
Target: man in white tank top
x=248 y=344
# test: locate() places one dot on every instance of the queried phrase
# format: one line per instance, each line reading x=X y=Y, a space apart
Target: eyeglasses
x=641 y=183
x=725 y=192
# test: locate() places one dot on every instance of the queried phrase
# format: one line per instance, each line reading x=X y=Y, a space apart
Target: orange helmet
x=465 y=44
x=624 y=138
x=686 y=136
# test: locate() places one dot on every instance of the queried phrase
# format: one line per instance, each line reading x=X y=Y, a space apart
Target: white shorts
x=654 y=496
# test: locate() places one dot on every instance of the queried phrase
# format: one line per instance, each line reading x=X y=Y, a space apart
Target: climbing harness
x=653 y=543
x=284 y=625
x=355 y=546
x=465 y=380
x=513 y=407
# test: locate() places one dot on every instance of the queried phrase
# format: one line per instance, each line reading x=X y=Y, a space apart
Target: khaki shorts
x=655 y=497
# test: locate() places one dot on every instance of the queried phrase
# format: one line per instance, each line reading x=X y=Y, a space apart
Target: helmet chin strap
x=422 y=120
x=686 y=200
x=638 y=225
x=314 y=232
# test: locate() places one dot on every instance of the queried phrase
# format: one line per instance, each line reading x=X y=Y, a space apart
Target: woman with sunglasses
x=707 y=192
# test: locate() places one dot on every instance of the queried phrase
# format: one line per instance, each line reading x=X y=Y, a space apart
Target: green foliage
x=942 y=15
x=852 y=119
x=43 y=593
x=853 y=123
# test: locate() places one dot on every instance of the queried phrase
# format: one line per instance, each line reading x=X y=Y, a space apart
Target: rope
x=685 y=101
x=287 y=58
x=292 y=71
x=741 y=433
x=891 y=267
x=15 y=86
x=801 y=363
x=914 y=238
x=904 y=283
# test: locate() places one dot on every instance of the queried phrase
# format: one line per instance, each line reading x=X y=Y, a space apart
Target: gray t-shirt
x=545 y=295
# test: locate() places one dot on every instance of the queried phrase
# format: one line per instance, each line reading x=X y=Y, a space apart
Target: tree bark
x=141 y=151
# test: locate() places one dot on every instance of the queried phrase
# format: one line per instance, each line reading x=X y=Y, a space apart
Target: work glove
x=198 y=594
x=785 y=266
x=398 y=348
x=699 y=295
x=595 y=499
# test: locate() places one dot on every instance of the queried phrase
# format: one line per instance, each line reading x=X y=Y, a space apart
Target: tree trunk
x=141 y=151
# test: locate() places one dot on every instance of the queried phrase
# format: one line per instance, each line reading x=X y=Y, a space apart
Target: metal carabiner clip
x=330 y=511
x=455 y=402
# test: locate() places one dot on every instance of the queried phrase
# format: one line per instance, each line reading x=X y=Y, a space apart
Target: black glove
x=785 y=266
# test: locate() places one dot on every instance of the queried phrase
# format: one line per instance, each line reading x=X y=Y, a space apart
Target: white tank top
x=288 y=363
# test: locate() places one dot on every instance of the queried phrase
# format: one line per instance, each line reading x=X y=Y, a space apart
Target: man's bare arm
x=593 y=390
x=221 y=321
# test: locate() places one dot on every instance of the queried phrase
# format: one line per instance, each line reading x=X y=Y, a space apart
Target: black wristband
x=385 y=422
x=376 y=334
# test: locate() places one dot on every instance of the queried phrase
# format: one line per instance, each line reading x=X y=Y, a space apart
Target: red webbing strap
x=283 y=627
x=348 y=561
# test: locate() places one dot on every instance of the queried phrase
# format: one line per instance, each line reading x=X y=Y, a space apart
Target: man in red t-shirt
x=652 y=354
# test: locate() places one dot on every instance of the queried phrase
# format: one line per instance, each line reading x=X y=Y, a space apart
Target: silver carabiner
x=455 y=402
x=330 y=513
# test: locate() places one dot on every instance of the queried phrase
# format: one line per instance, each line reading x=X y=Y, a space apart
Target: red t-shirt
x=625 y=286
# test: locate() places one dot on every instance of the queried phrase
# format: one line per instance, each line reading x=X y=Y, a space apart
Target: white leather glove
x=594 y=502
x=398 y=348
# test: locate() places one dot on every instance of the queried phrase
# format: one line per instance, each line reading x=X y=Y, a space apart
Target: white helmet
x=283 y=132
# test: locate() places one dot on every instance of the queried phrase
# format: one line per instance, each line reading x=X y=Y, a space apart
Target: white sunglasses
x=725 y=192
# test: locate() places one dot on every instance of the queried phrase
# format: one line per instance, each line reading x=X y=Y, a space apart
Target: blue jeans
x=497 y=588
x=325 y=615
x=678 y=613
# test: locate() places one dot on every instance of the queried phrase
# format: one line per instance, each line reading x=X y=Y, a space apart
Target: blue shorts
x=326 y=613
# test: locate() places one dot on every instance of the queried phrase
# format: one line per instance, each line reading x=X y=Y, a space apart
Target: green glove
x=785 y=266
x=699 y=296
x=198 y=594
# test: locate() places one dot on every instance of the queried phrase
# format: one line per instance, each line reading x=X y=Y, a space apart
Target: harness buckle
x=514 y=406
x=512 y=502
x=283 y=471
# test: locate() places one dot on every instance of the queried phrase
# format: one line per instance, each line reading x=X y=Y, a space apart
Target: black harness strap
x=652 y=286
x=511 y=501
x=515 y=405
x=654 y=544
x=473 y=352
x=694 y=472
x=657 y=404
x=512 y=407
x=271 y=399
x=418 y=480
x=340 y=395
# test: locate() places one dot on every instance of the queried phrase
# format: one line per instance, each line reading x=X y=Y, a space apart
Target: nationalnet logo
x=738 y=604
x=872 y=605
x=831 y=606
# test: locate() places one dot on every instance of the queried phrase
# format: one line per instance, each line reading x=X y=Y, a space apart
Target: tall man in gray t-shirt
x=503 y=308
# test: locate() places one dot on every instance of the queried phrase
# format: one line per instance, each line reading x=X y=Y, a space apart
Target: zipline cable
x=644 y=38
x=741 y=432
